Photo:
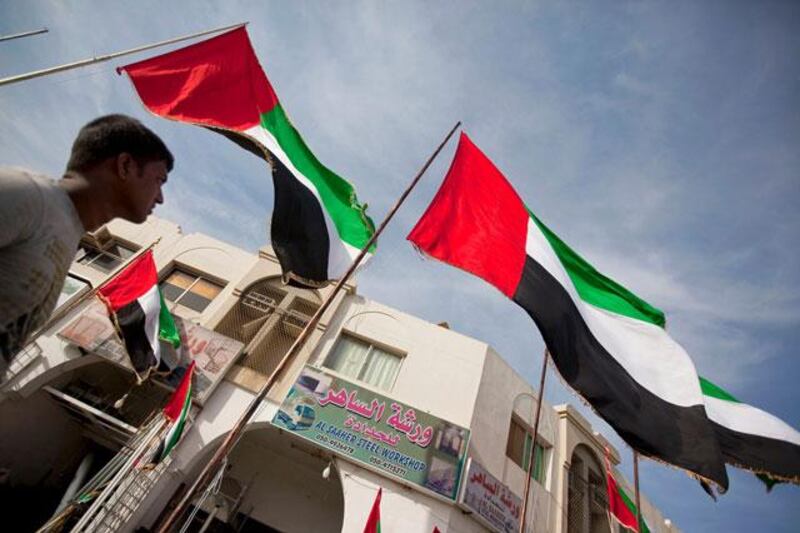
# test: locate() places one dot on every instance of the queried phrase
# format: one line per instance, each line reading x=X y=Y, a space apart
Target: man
x=116 y=169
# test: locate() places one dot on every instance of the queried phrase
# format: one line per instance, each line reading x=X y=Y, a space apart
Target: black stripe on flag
x=131 y=320
x=681 y=436
x=759 y=453
x=299 y=234
x=298 y=231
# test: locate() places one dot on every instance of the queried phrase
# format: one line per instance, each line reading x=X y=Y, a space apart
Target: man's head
x=133 y=160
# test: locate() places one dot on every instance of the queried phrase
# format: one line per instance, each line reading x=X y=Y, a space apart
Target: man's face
x=144 y=188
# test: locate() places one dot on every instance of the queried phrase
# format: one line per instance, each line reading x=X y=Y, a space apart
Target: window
x=518 y=449
x=363 y=361
x=189 y=290
x=107 y=258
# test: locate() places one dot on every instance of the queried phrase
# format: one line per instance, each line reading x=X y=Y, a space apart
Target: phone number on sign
x=389 y=467
x=335 y=444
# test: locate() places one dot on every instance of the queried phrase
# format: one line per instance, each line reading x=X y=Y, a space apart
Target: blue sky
x=660 y=139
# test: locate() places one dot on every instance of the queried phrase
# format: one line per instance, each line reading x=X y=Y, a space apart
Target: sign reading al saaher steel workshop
x=377 y=431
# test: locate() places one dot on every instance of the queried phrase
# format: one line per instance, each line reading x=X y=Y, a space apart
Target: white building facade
x=78 y=418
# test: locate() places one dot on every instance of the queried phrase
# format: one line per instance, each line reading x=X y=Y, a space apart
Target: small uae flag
x=608 y=344
x=140 y=313
x=620 y=506
x=318 y=225
x=751 y=438
x=373 y=524
x=177 y=411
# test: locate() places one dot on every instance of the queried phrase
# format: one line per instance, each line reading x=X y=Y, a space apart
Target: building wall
x=402 y=509
x=441 y=369
x=575 y=431
x=443 y=372
x=503 y=393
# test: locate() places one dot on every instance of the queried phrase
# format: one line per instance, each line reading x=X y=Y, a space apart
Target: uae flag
x=753 y=439
x=140 y=314
x=176 y=411
x=620 y=505
x=318 y=225
x=373 y=524
x=609 y=345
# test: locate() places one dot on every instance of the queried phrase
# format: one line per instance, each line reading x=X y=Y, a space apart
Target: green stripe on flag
x=632 y=508
x=338 y=195
x=175 y=432
x=167 y=331
x=709 y=389
x=596 y=289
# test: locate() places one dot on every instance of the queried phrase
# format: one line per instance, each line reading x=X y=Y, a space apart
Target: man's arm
x=21 y=206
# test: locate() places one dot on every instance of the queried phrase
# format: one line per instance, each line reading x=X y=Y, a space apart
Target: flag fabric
x=318 y=225
x=751 y=438
x=140 y=313
x=177 y=411
x=609 y=345
x=373 y=524
x=620 y=505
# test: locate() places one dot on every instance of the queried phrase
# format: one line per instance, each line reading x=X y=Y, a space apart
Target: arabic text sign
x=375 y=430
x=490 y=499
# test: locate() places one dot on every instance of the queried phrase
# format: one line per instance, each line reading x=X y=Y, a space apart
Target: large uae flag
x=140 y=313
x=318 y=225
x=608 y=344
x=753 y=439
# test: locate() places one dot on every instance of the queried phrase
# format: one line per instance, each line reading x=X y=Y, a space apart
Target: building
x=78 y=418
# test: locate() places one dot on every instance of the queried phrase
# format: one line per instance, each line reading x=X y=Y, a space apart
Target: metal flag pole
x=636 y=490
x=532 y=457
x=234 y=434
x=23 y=34
x=100 y=59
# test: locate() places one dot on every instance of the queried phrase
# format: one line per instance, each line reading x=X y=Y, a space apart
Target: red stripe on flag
x=616 y=504
x=216 y=82
x=135 y=280
x=173 y=409
x=373 y=524
x=476 y=221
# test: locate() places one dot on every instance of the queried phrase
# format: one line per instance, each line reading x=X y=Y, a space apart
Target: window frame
x=539 y=472
x=371 y=343
x=197 y=275
x=88 y=247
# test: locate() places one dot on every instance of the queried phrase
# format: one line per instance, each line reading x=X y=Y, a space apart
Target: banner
x=369 y=428
x=213 y=352
x=491 y=501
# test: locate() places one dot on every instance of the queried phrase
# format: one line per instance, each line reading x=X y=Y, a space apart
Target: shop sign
x=491 y=500
x=377 y=431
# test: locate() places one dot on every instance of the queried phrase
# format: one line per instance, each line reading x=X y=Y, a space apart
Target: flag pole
x=23 y=34
x=99 y=59
x=636 y=490
x=234 y=434
x=532 y=457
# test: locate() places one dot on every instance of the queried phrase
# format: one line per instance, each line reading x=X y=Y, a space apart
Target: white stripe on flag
x=751 y=420
x=341 y=253
x=645 y=351
x=151 y=305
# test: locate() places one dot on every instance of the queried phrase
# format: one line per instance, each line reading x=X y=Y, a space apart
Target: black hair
x=111 y=135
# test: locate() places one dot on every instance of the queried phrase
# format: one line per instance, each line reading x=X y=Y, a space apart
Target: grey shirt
x=39 y=236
